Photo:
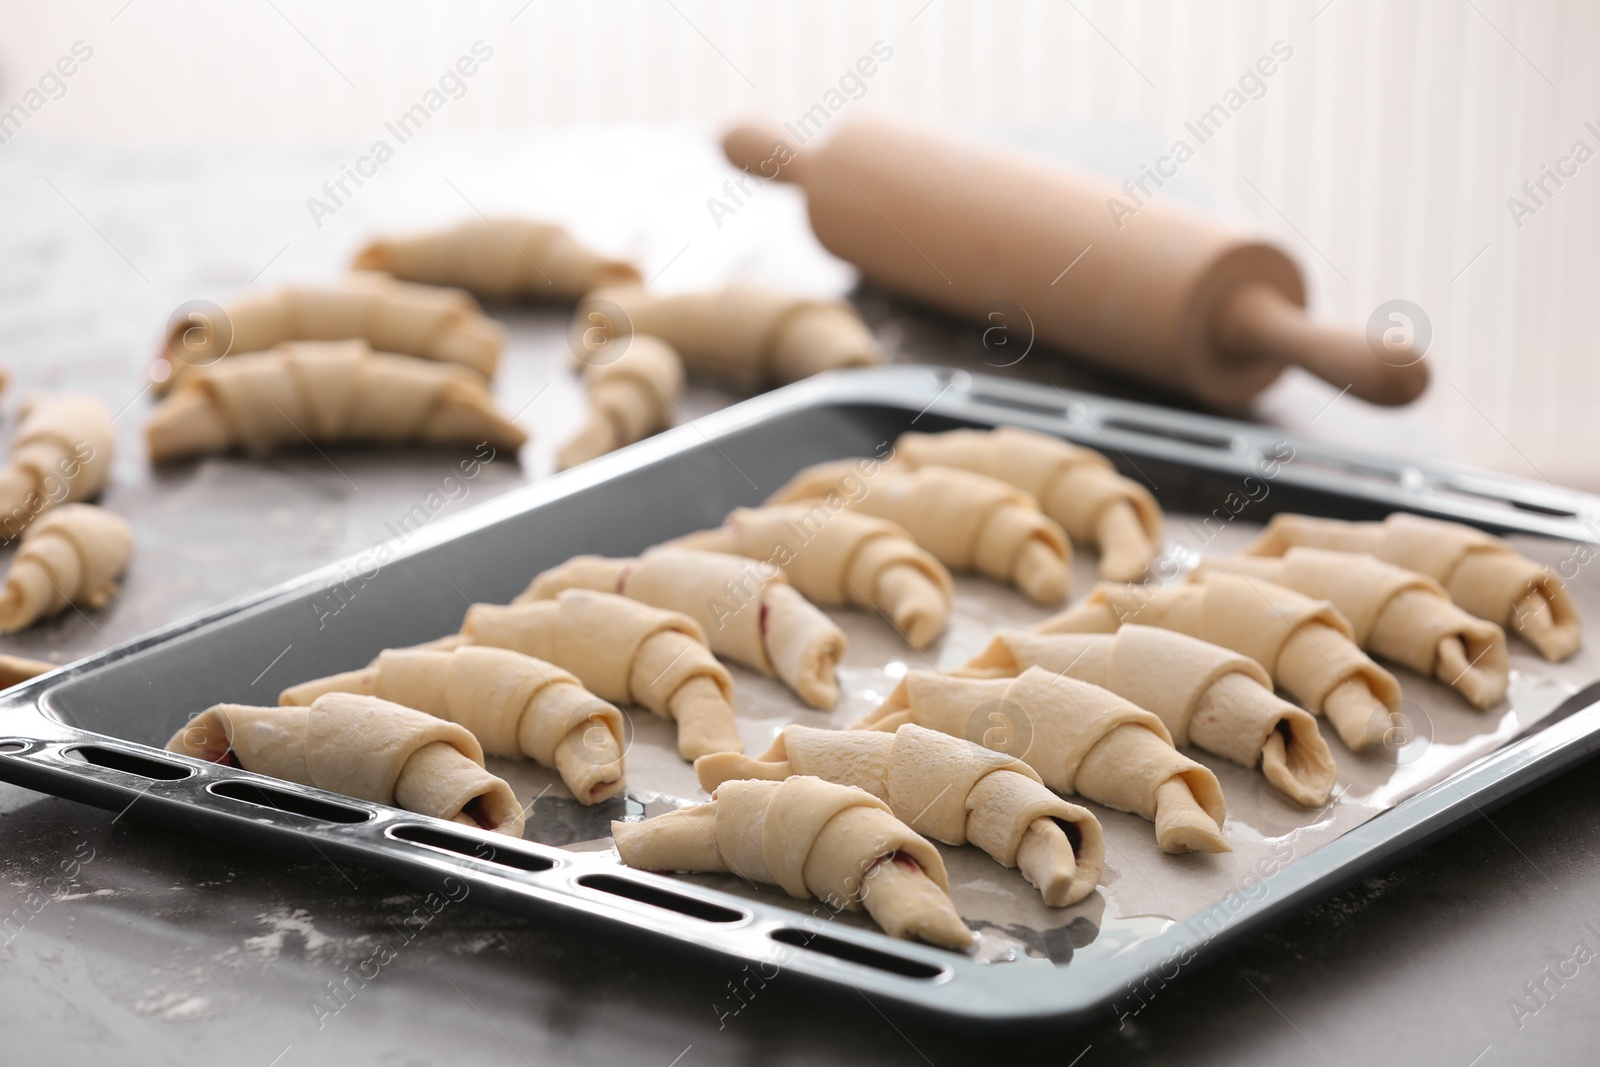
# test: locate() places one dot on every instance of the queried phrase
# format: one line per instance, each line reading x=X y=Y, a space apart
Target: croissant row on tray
x=624 y=652
x=747 y=335
x=500 y=259
x=948 y=789
x=62 y=452
x=632 y=394
x=1080 y=738
x=834 y=556
x=1077 y=487
x=1483 y=574
x=444 y=325
x=363 y=747
x=811 y=838
x=749 y=614
x=72 y=556
x=325 y=393
x=513 y=704
x=1206 y=695
x=1394 y=613
x=1306 y=645
x=968 y=521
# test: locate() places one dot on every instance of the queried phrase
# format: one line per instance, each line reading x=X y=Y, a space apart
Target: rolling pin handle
x=763 y=150
x=1259 y=323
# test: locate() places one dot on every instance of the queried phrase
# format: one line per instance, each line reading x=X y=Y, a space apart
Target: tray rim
x=958 y=990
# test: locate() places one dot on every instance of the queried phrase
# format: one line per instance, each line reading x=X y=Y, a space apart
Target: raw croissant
x=14 y=670
x=1077 y=487
x=1483 y=574
x=1208 y=696
x=746 y=335
x=1305 y=644
x=362 y=747
x=625 y=652
x=749 y=613
x=73 y=555
x=948 y=789
x=1395 y=613
x=61 y=452
x=813 y=839
x=445 y=325
x=1079 y=737
x=499 y=259
x=513 y=704
x=968 y=521
x=325 y=392
x=631 y=397
x=834 y=556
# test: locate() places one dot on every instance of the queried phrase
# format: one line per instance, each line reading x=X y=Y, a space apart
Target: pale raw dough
x=72 y=556
x=1077 y=487
x=949 y=789
x=835 y=556
x=812 y=839
x=499 y=259
x=970 y=522
x=1208 y=696
x=746 y=335
x=1306 y=645
x=1482 y=573
x=14 y=670
x=363 y=747
x=325 y=392
x=514 y=705
x=61 y=452
x=749 y=613
x=625 y=652
x=631 y=396
x=1395 y=613
x=1079 y=737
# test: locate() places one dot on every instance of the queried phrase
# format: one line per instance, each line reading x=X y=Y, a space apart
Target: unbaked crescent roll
x=630 y=398
x=73 y=555
x=1483 y=574
x=14 y=670
x=812 y=839
x=514 y=705
x=749 y=612
x=500 y=259
x=62 y=451
x=948 y=789
x=968 y=521
x=834 y=556
x=1305 y=644
x=363 y=747
x=1208 y=696
x=625 y=652
x=325 y=392
x=747 y=335
x=444 y=325
x=1080 y=738
x=1395 y=613
x=1077 y=487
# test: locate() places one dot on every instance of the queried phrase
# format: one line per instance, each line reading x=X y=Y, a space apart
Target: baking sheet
x=1143 y=891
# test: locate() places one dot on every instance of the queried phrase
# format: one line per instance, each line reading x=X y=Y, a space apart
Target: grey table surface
x=169 y=949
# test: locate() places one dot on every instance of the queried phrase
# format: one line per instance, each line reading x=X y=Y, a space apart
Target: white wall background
x=1384 y=152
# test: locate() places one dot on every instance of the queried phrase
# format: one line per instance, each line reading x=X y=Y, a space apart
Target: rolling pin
x=1157 y=291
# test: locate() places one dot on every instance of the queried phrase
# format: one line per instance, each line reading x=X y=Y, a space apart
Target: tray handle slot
x=661 y=898
x=134 y=763
x=1198 y=438
x=1030 y=405
x=471 y=847
x=266 y=796
x=11 y=748
x=851 y=952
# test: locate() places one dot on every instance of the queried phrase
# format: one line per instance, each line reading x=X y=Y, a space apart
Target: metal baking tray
x=91 y=731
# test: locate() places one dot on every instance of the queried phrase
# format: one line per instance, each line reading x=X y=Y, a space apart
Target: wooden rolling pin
x=1164 y=293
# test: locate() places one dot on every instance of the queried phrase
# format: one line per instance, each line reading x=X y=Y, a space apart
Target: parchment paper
x=1143 y=890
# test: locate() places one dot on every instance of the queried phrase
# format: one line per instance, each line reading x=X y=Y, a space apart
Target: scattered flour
x=281 y=923
x=173 y=1007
